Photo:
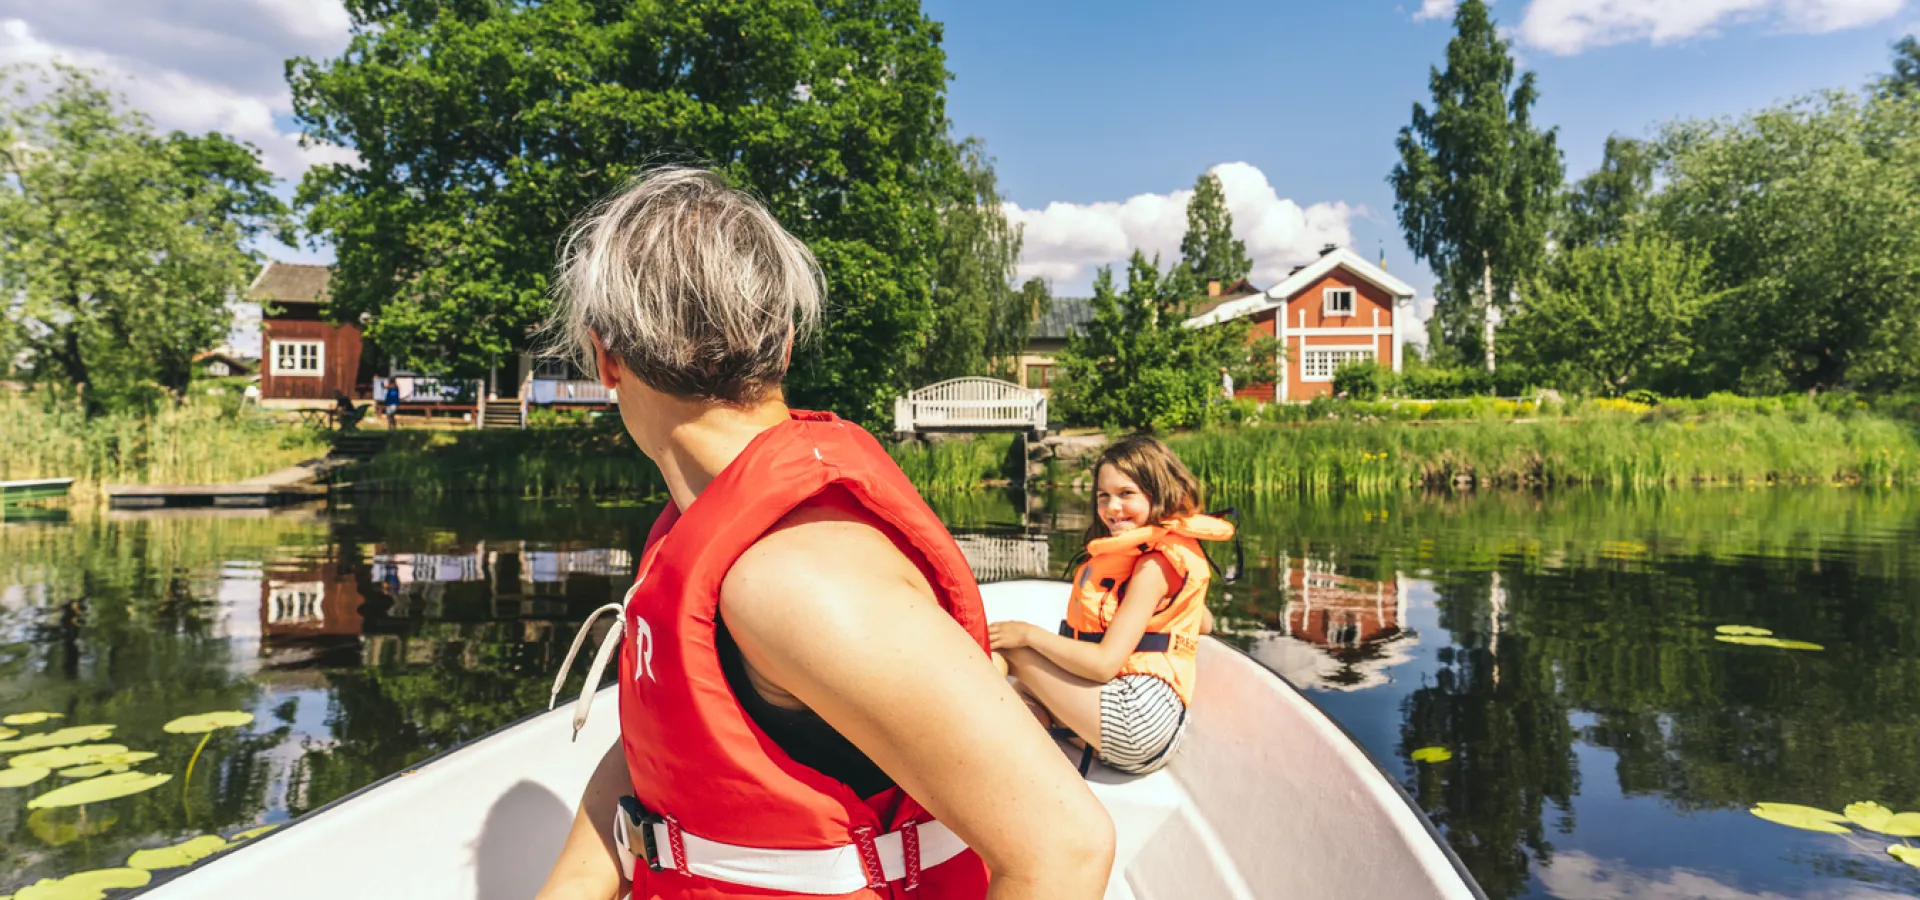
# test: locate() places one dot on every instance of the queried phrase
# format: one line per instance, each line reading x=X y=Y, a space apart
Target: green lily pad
x=185 y=853
x=72 y=734
x=6 y=733
x=59 y=827
x=84 y=885
x=62 y=757
x=21 y=776
x=1432 y=755
x=1806 y=818
x=1906 y=854
x=252 y=833
x=1777 y=643
x=1868 y=814
x=94 y=790
x=1748 y=630
x=205 y=722
x=31 y=718
x=118 y=762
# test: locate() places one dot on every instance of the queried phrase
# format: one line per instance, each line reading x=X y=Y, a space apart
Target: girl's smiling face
x=1122 y=505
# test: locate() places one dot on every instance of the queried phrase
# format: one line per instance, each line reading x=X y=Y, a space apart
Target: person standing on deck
x=807 y=704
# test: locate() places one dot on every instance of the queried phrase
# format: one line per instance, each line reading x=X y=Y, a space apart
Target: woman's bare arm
x=587 y=868
x=1097 y=662
x=829 y=610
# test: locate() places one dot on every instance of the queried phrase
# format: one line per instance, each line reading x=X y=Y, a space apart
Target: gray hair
x=690 y=283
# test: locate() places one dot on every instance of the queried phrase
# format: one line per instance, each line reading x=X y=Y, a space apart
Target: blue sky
x=1101 y=115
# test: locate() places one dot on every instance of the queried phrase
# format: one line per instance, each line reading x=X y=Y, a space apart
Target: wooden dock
x=294 y=484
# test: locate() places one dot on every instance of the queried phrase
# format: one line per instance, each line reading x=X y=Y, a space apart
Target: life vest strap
x=1151 y=642
x=642 y=836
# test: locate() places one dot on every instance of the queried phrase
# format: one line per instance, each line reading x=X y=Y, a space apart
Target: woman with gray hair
x=807 y=704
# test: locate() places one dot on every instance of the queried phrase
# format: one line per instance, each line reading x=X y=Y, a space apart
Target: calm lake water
x=1561 y=647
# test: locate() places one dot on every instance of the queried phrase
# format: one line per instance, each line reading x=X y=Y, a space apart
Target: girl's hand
x=1008 y=635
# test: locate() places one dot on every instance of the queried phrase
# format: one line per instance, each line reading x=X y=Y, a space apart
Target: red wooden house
x=304 y=359
x=1338 y=309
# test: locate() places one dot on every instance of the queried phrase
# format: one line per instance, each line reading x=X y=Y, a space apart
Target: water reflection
x=1336 y=632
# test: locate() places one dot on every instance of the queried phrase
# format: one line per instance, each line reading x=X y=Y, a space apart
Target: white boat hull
x=1265 y=798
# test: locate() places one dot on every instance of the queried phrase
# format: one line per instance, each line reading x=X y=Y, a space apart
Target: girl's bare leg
x=1073 y=701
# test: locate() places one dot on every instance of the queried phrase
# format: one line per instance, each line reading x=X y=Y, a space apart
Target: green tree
x=1208 y=248
x=1604 y=206
x=120 y=248
x=1615 y=317
x=1904 y=80
x=1808 y=212
x=482 y=127
x=980 y=321
x=1137 y=364
x=1476 y=184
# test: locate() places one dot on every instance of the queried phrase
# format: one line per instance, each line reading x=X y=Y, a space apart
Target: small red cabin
x=1338 y=309
x=304 y=359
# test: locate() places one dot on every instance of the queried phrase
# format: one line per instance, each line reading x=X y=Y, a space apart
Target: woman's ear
x=605 y=364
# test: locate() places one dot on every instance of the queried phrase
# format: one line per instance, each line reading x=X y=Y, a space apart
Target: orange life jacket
x=701 y=767
x=1172 y=640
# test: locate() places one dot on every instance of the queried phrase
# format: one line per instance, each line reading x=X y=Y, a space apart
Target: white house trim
x=1371 y=350
x=1327 y=309
x=1278 y=294
x=291 y=366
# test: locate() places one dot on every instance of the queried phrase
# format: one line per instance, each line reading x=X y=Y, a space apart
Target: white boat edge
x=1266 y=797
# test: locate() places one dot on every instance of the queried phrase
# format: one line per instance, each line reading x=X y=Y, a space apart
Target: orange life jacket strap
x=1151 y=642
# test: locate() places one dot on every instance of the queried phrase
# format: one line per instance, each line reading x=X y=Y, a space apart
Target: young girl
x=1120 y=672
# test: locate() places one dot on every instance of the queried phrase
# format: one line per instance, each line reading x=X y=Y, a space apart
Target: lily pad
x=21 y=776
x=118 y=762
x=1777 y=643
x=31 y=718
x=1868 y=814
x=94 y=790
x=1906 y=854
x=62 y=757
x=1806 y=818
x=6 y=733
x=1748 y=630
x=185 y=853
x=59 y=827
x=72 y=734
x=84 y=885
x=252 y=833
x=205 y=722
x=1432 y=755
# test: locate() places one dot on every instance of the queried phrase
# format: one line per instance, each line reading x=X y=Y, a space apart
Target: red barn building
x=304 y=359
x=1338 y=309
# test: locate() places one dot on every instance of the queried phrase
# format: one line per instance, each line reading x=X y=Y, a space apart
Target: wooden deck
x=294 y=484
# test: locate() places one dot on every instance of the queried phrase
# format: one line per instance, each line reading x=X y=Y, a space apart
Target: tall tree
x=482 y=127
x=1613 y=317
x=1904 y=80
x=1476 y=184
x=1137 y=364
x=1808 y=212
x=1208 y=249
x=120 y=249
x=980 y=320
x=1603 y=206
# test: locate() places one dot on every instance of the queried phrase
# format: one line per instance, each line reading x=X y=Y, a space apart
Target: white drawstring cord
x=584 y=705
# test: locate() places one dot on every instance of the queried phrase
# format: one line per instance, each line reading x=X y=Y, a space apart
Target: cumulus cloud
x=1582 y=876
x=194 y=65
x=1568 y=27
x=1434 y=9
x=1065 y=242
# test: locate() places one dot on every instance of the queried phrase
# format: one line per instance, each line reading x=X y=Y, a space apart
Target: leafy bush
x=1364 y=380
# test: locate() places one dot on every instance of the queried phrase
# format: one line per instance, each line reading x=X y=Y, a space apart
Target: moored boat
x=1266 y=797
x=25 y=490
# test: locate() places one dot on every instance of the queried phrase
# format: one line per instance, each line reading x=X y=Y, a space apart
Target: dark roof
x=1064 y=316
x=291 y=283
x=1235 y=291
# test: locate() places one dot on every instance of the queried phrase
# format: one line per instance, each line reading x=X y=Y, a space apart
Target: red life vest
x=694 y=754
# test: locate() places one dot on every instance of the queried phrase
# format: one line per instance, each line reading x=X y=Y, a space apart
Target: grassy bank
x=954 y=466
x=201 y=442
x=538 y=463
x=1617 y=448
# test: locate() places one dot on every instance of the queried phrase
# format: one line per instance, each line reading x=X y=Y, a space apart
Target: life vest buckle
x=639 y=820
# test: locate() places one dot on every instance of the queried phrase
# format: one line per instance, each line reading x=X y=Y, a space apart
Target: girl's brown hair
x=1172 y=490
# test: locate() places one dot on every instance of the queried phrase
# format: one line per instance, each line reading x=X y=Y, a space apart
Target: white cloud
x=1434 y=9
x=193 y=65
x=1065 y=242
x=1568 y=27
x=1581 y=876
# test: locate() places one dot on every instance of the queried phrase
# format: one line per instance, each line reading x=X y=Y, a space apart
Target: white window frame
x=319 y=359
x=1353 y=301
x=1338 y=355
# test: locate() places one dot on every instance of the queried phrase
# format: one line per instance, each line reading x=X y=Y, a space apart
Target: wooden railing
x=971 y=404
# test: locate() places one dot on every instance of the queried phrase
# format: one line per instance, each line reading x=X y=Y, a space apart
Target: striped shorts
x=1140 y=723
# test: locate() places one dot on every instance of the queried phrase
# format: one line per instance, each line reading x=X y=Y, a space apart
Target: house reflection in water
x=1337 y=632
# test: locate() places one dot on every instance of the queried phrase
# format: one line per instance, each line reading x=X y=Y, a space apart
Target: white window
x=306 y=358
x=1319 y=362
x=1338 y=301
